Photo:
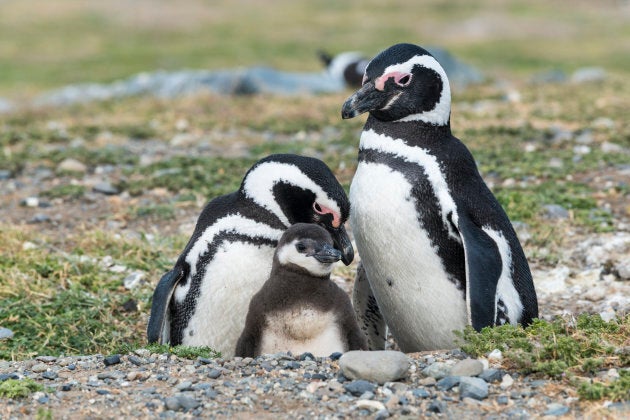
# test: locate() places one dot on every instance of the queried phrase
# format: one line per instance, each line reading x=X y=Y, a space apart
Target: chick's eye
x=300 y=247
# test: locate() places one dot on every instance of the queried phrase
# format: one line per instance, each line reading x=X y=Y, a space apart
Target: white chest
x=301 y=330
x=420 y=305
x=237 y=271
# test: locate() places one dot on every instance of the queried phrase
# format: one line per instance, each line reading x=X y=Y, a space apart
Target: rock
x=375 y=366
x=430 y=381
x=357 y=388
x=112 y=360
x=555 y=211
x=71 y=165
x=623 y=268
x=133 y=280
x=39 y=218
x=5 y=333
x=39 y=367
x=553 y=281
x=30 y=202
x=105 y=188
x=470 y=387
x=608 y=147
x=420 y=393
x=6 y=106
x=447 y=383
x=437 y=370
x=585 y=137
x=556 y=409
x=172 y=403
x=506 y=382
x=491 y=375
x=370 y=405
x=46 y=359
x=214 y=373
x=187 y=403
x=595 y=294
x=467 y=367
x=549 y=76
x=495 y=356
x=49 y=375
x=436 y=406
x=5 y=174
x=588 y=75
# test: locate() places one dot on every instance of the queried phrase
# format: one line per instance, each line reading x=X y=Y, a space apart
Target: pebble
x=470 y=387
x=375 y=366
x=358 y=387
x=112 y=360
x=447 y=383
x=556 y=409
x=40 y=367
x=495 y=356
x=71 y=165
x=50 y=375
x=555 y=211
x=437 y=370
x=214 y=373
x=506 y=382
x=491 y=375
x=39 y=218
x=105 y=188
x=467 y=367
x=30 y=202
x=588 y=75
x=5 y=333
x=134 y=280
x=371 y=405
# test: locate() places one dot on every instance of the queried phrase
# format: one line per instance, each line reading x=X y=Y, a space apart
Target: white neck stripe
x=440 y=114
x=385 y=144
x=260 y=182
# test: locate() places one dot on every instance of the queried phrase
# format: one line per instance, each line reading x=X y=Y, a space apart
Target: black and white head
x=307 y=247
x=299 y=189
x=403 y=83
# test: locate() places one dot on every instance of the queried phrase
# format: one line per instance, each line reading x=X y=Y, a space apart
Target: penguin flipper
x=483 y=269
x=368 y=314
x=158 y=330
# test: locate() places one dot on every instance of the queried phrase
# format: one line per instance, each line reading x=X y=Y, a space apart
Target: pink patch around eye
x=319 y=209
x=400 y=78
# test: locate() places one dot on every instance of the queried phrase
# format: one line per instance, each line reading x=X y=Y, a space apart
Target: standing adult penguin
x=438 y=252
x=203 y=300
x=299 y=309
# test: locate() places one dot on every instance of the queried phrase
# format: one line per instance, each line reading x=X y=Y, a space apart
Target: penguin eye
x=318 y=208
x=403 y=80
x=300 y=247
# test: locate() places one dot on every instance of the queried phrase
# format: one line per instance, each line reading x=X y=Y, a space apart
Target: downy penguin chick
x=299 y=309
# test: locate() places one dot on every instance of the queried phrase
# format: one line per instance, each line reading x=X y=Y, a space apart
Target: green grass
x=185 y=352
x=18 y=388
x=562 y=348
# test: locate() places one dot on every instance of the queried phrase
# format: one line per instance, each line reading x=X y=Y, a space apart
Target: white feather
x=421 y=157
x=440 y=114
x=422 y=307
x=232 y=223
x=505 y=287
x=288 y=254
x=234 y=275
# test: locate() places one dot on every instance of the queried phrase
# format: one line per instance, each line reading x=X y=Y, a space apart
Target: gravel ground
x=143 y=385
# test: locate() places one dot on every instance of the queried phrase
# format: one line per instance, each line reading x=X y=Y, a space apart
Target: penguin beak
x=366 y=99
x=343 y=244
x=327 y=254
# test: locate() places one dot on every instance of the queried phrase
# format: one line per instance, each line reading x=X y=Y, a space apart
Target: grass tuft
x=19 y=388
x=185 y=352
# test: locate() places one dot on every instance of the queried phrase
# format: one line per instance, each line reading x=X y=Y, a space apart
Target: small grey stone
x=39 y=218
x=39 y=367
x=214 y=373
x=556 y=409
x=470 y=387
x=447 y=383
x=66 y=387
x=184 y=386
x=50 y=375
x=555 y=211
x=420 y=393
x=588 y=75
x=5 y=174
x=503 y=399
x=467 y=367
x=46 y=359
x=30 y=202
x=492 y=375
x=357 y=388
x=550 y=76
x=205 y=360
x=437 y=370
x=187 y=403
x=436 y=406
x=172 y=403
x=133 y=280
x=112 y=360
x=375 y=366
x=43 y=399
x=103 y=391
x=5 y=333
x=138 y=361
x=105 y=188
x=71 y=165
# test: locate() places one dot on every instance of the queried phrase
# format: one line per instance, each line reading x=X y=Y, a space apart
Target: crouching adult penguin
x=299 y=309
x=203 y=300
x=438 y=252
